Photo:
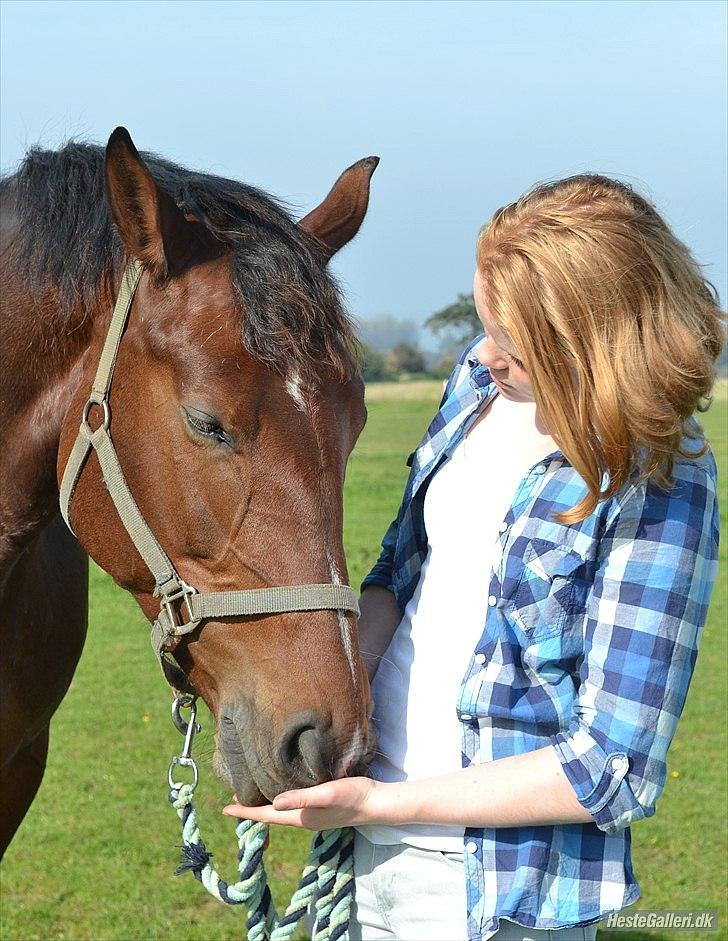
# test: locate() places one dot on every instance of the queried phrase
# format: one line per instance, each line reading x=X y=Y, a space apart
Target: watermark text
x=671 y=918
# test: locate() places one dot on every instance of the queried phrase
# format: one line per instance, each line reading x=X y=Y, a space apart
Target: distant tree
x=443 y=366
x=457 y=323
x=374 y=368
x=406 y=358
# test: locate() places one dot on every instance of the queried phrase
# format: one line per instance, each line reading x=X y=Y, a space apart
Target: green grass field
x=95 y=857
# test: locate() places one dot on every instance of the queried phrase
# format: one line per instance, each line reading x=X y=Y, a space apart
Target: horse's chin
x=241 y=781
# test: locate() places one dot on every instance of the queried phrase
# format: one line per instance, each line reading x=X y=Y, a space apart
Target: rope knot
x=180 y=797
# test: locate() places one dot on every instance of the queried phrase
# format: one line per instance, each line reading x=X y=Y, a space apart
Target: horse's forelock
x=291 y=311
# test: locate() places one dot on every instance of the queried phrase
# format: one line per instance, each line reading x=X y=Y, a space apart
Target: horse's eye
x=206 y=425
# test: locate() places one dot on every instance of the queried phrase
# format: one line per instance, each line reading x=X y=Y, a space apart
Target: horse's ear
x=152 y=227
x=337 y=220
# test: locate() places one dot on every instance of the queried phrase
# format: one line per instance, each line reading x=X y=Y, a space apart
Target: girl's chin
x=511 y=392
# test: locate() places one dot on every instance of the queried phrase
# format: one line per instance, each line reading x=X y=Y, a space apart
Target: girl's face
x=498 y=354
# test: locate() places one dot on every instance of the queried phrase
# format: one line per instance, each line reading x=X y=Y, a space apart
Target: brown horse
x=236 y=400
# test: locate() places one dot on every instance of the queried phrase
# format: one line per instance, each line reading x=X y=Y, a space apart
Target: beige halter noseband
x=182 y=607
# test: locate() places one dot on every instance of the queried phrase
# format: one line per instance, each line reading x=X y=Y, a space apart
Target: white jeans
x=404 y=893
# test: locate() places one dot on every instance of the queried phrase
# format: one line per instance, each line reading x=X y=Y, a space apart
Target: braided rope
x=327 y=880
x=335 y=888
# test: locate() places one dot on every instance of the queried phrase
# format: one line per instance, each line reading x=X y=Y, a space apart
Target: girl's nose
x=491 y=355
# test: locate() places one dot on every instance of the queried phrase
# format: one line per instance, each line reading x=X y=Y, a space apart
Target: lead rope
x=327 y=880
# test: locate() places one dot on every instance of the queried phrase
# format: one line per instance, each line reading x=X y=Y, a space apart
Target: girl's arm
x=523 y=790
x=378 y=621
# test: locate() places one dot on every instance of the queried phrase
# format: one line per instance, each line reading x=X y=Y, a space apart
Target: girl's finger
x=328 y=794
x=265 y=814
x=290 y=800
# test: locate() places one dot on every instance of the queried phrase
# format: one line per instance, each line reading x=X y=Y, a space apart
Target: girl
x=533 y=620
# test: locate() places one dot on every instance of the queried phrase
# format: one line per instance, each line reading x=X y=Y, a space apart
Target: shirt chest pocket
x=542 y=598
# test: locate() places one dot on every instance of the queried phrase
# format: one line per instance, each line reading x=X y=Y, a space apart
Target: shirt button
x=503 y=527
x=618 y=764
x=540 y=469
x=465 y=718
x=471 y=847
x=480 y=658
x=492 y=600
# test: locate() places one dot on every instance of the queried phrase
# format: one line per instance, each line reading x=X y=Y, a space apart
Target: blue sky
x=467 y=104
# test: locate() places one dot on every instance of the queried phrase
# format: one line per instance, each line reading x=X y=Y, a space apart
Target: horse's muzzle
x=259 y=763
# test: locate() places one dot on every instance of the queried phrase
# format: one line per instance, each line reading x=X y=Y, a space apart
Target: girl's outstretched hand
x=343 y=803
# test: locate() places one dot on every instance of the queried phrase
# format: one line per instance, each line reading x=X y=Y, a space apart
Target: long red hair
x=614 y=321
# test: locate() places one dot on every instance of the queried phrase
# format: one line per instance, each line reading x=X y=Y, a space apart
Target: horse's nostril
x=309 y=746
x=299 y=746
x=305 y=749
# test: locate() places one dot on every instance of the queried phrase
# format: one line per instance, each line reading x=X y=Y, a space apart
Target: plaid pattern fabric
x=589 y=643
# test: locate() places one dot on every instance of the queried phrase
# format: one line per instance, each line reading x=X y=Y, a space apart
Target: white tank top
x=417 y=684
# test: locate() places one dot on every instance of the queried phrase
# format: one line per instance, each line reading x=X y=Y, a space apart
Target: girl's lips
x=500 y=382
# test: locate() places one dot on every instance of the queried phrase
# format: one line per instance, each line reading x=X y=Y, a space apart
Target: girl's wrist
x=392 y=804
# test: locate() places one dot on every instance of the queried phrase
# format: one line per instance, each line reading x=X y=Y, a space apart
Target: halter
x=182 y=607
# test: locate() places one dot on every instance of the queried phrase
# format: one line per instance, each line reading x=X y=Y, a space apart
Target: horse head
x=236 y=401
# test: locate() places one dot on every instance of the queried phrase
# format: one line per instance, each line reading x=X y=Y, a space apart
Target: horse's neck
x=41 y=362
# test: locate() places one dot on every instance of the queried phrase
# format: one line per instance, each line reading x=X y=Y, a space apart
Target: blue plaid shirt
x=589 y=643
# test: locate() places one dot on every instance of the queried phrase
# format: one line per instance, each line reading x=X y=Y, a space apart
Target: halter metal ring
x=87 y=411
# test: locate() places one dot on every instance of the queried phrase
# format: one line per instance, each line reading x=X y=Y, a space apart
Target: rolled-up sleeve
x=643 y=618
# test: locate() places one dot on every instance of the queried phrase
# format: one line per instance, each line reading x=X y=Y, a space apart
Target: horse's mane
x=66 y=236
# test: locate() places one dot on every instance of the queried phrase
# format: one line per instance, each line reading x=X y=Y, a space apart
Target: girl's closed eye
x=518 y=362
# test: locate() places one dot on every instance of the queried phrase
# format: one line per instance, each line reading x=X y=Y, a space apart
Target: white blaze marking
x=344 y=626
x=354 y=749
x=294 y=387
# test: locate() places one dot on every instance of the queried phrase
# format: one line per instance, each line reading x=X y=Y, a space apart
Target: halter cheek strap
x=182 y=607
